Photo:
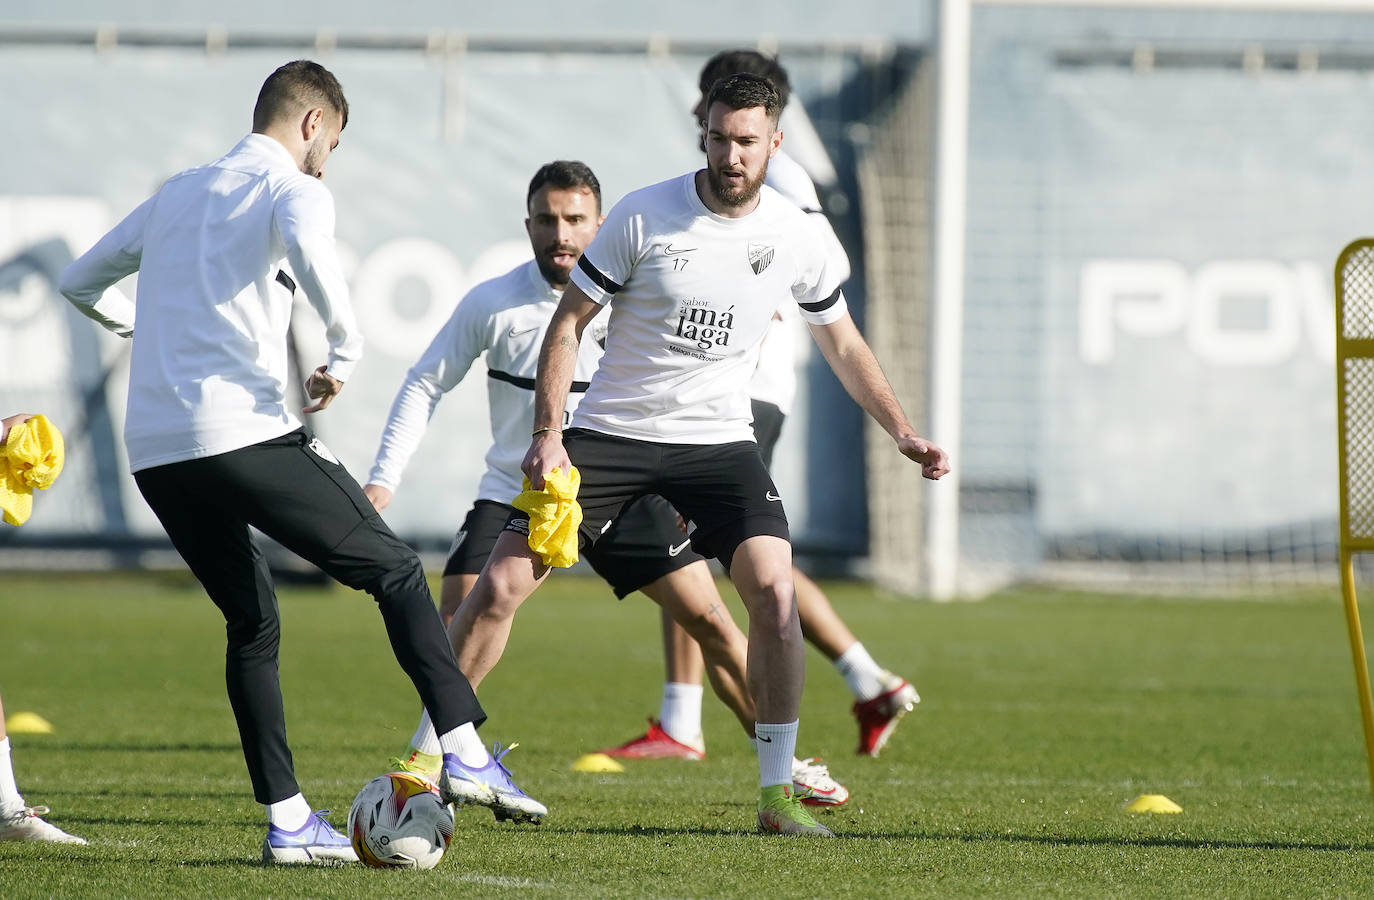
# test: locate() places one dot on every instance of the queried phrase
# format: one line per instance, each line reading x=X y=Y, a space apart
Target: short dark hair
x=298 y=85
x=564 y=174
x=732 y=62
x=745 y=91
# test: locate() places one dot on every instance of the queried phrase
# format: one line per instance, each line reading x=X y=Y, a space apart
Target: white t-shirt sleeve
x=817 y=288
x=304 y=216
x=610 y=259
x=440 y=368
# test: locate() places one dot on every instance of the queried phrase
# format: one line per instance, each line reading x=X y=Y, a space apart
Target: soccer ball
x=398 y=822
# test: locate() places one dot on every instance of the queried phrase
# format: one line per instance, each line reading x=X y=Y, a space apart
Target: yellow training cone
x=1153 y=803
x=28 y=723
x=596 y=762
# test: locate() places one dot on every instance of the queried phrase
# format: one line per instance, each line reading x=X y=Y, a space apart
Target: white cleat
x=26 y=824
x=813 y=785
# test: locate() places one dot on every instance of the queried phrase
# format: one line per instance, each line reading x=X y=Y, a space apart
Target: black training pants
x=307 y=502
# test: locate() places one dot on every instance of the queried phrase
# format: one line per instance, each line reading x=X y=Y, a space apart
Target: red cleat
x=658 y=744
x=878 y=717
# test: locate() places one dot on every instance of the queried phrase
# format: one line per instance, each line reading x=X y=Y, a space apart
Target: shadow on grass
x=989 y=838
x=249 y=863
x=153 y=748
x=1175 y=842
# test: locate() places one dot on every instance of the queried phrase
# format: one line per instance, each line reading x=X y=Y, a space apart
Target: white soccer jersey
x=691 y=296
x=504 y=317
x=775 y=377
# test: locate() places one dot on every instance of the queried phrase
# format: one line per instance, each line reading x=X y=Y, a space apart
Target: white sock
x=10 y=799
x=775 y=744
x=679 y=713
x=289 y=814
x=466 y=745
x=425 y=740
x=861 y=673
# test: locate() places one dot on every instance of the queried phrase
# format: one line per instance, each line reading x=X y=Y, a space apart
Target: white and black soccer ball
x=397 y=821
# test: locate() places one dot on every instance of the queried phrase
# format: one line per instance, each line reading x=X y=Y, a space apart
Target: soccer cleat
x=658 y=744
x=26 y=824
x=878 y=717
x=781 y=812
x=314 y=842
x=813 y=785
x=421 y=765
x=490 y=786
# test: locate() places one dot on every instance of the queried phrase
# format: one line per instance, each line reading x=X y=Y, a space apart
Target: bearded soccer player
x=881 y=698
x=693 y=269
x=505 y=318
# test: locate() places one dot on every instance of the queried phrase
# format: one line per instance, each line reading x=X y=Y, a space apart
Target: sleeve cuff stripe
x=822 y=305
x=596 y=276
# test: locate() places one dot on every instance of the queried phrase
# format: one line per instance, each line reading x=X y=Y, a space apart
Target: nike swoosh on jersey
x=771 y=496
x=669 y=251
x=516 y=333
x=674 y=551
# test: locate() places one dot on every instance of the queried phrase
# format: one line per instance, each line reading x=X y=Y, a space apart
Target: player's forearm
x=314 y=260
x=557 y=364
x=405 y=428
x=88 y=284
x=854 y=364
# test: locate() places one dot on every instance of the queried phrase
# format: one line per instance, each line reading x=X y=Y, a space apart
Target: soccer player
x=215 y=449
x=644 y=549
x=18 y=820
x=880 y=697
x=693 y=269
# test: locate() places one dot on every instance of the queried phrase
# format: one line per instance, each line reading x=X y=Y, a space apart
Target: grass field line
x=504 y=881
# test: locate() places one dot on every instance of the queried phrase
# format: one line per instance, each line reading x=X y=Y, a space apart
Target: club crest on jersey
x=760 y=256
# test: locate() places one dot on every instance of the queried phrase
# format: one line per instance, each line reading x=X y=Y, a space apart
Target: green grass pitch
x=1042 y=714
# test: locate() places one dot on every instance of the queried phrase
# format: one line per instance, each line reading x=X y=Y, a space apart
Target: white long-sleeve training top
x=208 y=368
x=504 y=318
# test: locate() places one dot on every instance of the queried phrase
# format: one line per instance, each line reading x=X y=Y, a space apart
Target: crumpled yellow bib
x=554 y=516
x=31 y=458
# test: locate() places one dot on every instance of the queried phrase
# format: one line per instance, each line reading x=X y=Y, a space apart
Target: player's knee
x=501 y=589
x=255 y=636
x=402 y=576
x=773 y=605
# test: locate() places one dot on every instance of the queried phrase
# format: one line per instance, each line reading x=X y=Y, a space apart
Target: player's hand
x=546 y=453
x=380 y=496
x=934 y=461
x=323 y=387
x=9 y=422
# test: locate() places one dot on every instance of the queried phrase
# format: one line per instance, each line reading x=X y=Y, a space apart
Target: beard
x=734 y=196
x=314 y=155
x=554 y=274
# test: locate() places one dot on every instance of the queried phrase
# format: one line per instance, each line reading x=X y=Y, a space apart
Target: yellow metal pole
x=1352 y=621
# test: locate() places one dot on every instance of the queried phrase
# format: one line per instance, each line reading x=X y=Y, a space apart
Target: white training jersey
x=691 y=294
x=775 y=377
x=208 y=368
x=505 y=318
